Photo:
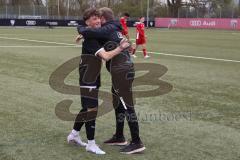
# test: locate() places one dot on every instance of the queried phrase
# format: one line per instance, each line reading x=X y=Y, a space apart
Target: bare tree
x=174 y=6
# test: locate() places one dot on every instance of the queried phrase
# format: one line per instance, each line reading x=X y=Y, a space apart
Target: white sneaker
x=134 y=56
x=147 y=56
x=92 y=147
x=75 y=139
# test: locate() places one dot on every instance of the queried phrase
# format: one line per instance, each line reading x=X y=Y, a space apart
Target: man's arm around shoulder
x=102 y=32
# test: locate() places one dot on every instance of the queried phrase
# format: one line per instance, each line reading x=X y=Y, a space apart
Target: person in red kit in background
x=140 y=38
x=123 y=21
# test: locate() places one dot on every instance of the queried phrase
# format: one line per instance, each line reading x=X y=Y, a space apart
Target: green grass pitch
x=206 y=91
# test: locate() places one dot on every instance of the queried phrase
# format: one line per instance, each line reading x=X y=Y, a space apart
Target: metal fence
x=189 y=12
x=35 y=11
x=56 y=12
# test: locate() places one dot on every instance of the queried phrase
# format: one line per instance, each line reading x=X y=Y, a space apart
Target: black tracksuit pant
x=89 y=100
x=123 y=102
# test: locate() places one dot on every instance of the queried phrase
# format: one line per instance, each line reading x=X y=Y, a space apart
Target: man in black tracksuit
x=89 y=71
x=122 y=71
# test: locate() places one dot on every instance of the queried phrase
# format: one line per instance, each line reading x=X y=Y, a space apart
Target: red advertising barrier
x=205 y=23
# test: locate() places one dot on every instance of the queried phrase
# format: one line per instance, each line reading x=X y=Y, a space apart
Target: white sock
x=75 y=133
x=91 y=142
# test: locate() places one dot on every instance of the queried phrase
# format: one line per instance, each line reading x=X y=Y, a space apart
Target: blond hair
x=107 y=13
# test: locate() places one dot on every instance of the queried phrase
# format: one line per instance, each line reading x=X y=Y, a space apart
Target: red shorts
x=125 y=32
x=140 y=41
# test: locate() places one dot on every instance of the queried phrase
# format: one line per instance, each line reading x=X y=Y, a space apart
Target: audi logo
x=30 y=23
x=196 y=23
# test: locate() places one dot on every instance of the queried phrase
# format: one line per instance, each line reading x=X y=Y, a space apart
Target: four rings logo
x=30 y=23
x=196 y=23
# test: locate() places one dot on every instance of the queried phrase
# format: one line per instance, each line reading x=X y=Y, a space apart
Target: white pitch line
x=33 y=40
x=158 y=53
x=195 y=57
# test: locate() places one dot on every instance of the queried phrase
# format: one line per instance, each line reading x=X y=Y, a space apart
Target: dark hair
x=90 y=12
x=126 y=14
x=107 y=13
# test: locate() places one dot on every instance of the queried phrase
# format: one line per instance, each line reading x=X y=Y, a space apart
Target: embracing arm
x=78 y=38
x=102 y=32
x=110 y=54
